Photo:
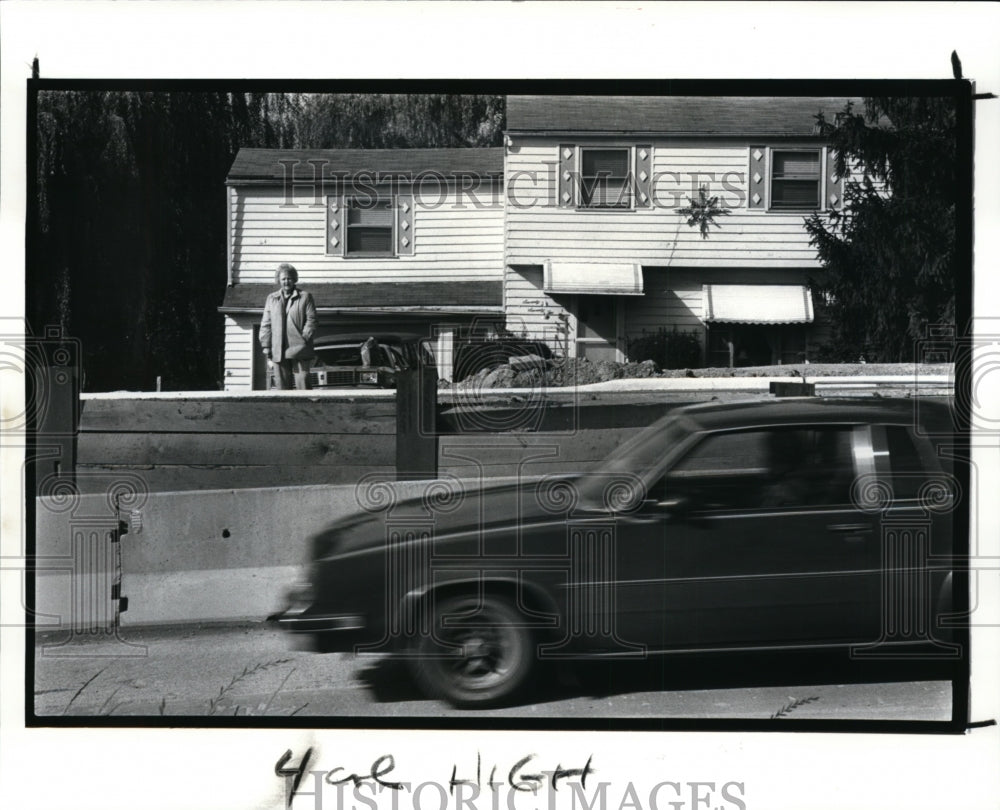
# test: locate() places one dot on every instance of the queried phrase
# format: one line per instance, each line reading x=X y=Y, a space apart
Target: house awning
x=757 y=303
x=592 y=278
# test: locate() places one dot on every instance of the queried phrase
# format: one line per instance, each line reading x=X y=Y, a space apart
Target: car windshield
x=350 y=355
x=633 y=464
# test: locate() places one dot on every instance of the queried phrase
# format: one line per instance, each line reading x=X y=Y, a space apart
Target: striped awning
x=592 y=278
x=757 y=303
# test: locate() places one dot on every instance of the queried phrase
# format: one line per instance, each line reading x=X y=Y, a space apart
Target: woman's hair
x=286 y=268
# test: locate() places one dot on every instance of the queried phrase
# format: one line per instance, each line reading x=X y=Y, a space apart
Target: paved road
x=253 y=671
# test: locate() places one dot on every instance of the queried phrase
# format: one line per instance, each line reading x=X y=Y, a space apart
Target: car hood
x=446 y=508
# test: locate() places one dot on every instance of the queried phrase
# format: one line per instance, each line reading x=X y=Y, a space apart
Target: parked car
x=773 y=524
x=367 y=360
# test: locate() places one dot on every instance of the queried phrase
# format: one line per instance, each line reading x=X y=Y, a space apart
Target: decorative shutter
x=565 y=186
x=833 y=186
x=404 y=225
x=643 y=175
x=336 y=226
x=757 y=178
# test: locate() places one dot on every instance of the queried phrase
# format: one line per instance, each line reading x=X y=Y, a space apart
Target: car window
x=906 y=470
x=340 y=355
x=766 y=468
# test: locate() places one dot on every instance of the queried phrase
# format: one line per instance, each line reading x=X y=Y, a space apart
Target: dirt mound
x=534 y=372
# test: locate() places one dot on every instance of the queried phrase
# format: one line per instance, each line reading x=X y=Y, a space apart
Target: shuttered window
x=370 y=227
x=604 y=178
x=795 y=179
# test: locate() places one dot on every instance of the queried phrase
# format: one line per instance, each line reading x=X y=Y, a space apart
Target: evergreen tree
x=889 y=255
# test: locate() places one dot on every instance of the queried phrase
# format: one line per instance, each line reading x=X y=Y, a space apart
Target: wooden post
x=55 y=433
x=416 y=424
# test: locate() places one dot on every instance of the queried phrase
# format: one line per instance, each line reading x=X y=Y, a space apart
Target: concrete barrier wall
x=220 y=555
x=228 y=554
x=75 y=563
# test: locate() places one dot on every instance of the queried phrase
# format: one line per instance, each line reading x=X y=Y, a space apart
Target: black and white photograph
x=548 y=400
x=361 y=416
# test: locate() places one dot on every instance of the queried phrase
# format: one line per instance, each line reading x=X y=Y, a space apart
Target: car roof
x=852 y=410
x=361 y=337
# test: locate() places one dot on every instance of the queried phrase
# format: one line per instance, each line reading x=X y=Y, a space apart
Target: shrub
x=668 y=349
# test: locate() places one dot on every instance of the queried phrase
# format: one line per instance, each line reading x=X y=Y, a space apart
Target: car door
x=752 y=538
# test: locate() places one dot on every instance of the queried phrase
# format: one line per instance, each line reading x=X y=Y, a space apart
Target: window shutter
x=757 y=178
x=833 y=193
x=404 y=225
x=565 y=186
x=336 y=229
x=643 y=175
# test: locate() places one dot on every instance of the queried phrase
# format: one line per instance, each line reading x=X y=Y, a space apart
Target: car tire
x=480 y=653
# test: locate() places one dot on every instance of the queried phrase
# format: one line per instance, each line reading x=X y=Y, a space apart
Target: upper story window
x=370 y=227
x=605 y=178
x=795 y=179
x=365 y=226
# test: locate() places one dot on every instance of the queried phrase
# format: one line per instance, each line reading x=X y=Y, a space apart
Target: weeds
x=248 y=671
x=788 y=708
x=80 y=691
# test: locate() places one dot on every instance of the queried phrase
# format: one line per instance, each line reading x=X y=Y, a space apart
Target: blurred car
x=777 y=524
x=367 y=360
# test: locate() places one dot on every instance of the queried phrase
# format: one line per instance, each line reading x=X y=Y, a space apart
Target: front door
x=597 y=327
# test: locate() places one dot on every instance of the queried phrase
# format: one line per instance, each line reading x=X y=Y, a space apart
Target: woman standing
x=287 y=329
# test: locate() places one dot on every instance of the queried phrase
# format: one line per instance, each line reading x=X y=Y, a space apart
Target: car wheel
x=480 y=653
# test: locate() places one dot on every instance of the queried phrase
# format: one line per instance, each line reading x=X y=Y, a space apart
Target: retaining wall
x=221 y=555
x=220 y=546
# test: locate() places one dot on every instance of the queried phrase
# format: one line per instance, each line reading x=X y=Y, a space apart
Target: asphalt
x=253 y=670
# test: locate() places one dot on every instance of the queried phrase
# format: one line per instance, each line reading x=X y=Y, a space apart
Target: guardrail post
x=416 y=425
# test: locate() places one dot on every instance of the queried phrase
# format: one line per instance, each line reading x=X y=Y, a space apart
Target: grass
x=216 y=704
x=788 y=708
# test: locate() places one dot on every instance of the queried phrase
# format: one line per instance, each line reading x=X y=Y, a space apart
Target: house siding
x=239 y=351
x=672 y=298
x=532 y=313
x=456 y=237
x=538 y=229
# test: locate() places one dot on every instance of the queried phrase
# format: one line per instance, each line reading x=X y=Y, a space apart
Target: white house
x=570 y=233
x=594 y=240
x=394 y=239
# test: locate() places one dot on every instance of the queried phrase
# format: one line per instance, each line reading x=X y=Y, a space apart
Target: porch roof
x=413 y=296
x=593 y=278
x=757 y=303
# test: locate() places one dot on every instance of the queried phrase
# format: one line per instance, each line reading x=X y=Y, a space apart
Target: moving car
x=369 y=360
x=774 y=524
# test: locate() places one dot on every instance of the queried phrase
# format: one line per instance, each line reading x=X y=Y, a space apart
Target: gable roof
x=270 y=165
x=754 y=116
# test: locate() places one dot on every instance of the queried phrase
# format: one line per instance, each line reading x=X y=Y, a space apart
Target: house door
x=597 y=327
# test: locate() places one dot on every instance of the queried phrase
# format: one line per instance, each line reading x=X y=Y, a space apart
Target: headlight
x=369 y=377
